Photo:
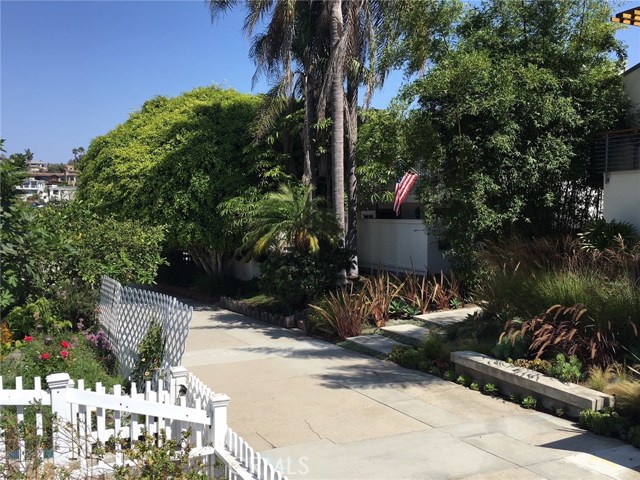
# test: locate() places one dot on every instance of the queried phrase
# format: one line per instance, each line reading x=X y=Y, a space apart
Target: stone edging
x=299 y=320
x=551 y=392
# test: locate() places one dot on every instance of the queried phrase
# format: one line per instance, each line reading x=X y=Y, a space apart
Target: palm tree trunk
x=309 y=167
x=337 y=138
x=337 y=112
x=352 y=213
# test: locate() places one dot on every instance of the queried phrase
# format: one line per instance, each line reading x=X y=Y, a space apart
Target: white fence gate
x=126 y=314
x=88 y=418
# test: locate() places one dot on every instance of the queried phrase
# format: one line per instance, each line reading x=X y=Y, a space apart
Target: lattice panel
x=126 y=314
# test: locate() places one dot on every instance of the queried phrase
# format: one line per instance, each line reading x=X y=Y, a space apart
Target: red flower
x=64 y=353
x=28 y=338
x=65 y=344
x=45 y=356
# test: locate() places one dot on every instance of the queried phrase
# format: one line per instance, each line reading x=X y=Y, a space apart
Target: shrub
x=570 y=330
x=567 y=371
x=35 y=316
x=150 y=355
x=381 y=289
x=600 y=234
x=297 y=278
x=537 y=365
x=530 y=402
x=161 y=458
x=435 y=347
x=598 y=378
x=627 y=395
x=444 y=291
x=490 y=389
x=463 y=380
x=633 y=436
x=450 y=375
x=40 y=355
x=605 y=423
x=343 y=312
x=399 y=308
x=416 y=289
x=511 y=347
x=475 y=386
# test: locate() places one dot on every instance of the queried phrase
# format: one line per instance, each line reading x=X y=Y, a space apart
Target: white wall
x=399 y=246
x=632 y=87
x=245 y=270
x=621 y=197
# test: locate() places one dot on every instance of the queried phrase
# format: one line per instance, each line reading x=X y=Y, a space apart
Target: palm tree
x=290 y=218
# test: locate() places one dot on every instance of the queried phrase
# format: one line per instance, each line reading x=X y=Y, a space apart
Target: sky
x=71 y=71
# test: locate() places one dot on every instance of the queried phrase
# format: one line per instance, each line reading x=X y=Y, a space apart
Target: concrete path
x=319 y=411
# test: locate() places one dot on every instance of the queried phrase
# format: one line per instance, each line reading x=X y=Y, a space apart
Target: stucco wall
x=621 y=197
x=632 y=87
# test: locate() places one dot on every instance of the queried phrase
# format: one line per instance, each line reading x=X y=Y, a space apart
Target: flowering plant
x=45 y=356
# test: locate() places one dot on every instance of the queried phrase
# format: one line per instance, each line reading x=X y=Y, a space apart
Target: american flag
x=402 y=189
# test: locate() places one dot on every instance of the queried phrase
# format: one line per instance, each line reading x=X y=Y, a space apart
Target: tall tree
x=507 y=119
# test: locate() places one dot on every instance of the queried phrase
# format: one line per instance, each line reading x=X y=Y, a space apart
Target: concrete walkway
x=319 y=411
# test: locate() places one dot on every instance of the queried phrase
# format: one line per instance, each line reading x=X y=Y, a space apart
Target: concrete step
x=408 y=334
x=444 y=318
x=374 y=345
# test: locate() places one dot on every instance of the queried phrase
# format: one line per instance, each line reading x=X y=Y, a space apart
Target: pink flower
x=45 y=356
x=28 y=338
x=65 y=344
x=64 y=353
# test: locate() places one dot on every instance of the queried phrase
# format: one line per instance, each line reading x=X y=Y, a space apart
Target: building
x=619 y=161
x=31 y=189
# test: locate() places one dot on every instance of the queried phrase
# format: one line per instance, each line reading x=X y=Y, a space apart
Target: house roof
x=628 y=17
x=632 y=69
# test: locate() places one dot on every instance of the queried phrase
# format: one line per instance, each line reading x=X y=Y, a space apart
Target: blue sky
x=70 y=71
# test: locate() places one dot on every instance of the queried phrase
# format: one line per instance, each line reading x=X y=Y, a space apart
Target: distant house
x=60 y=193
x=31 y=189
x=36 y=166
x=619 y=161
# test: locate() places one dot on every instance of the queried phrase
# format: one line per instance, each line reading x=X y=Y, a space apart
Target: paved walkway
x=319 y=411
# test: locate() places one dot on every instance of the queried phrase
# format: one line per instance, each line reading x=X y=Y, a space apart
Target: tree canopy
x=505 y=122
x=187 y=163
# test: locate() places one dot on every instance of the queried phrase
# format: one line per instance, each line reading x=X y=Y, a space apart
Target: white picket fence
x=126 y=314
x=85 y=417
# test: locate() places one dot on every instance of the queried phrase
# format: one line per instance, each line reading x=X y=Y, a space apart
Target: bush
x=343 y=312
x=35 y=316
x=627 y=395
x=599 y=378
x=537 y=365
x=40 y=355
x=600 y=234
x=526 y=278
x=381 y=289
x=298 y=278
x=606 y=423
x=150 y=355
x=567 y=371
x=513 y=347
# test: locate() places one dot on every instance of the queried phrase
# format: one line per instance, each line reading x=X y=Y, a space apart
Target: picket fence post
x=218 y=410
x=62 y=432
x=178 y=376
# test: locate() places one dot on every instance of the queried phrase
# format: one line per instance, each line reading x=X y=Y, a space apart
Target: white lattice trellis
x=126 y=314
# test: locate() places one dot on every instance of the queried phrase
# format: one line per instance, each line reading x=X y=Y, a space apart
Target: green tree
x=291 y=218
x=187 y=163
x=506 y=121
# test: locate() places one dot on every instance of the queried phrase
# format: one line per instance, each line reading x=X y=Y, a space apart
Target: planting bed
x=550 y=392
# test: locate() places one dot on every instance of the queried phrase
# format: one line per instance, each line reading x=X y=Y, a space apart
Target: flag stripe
x=402 y=190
